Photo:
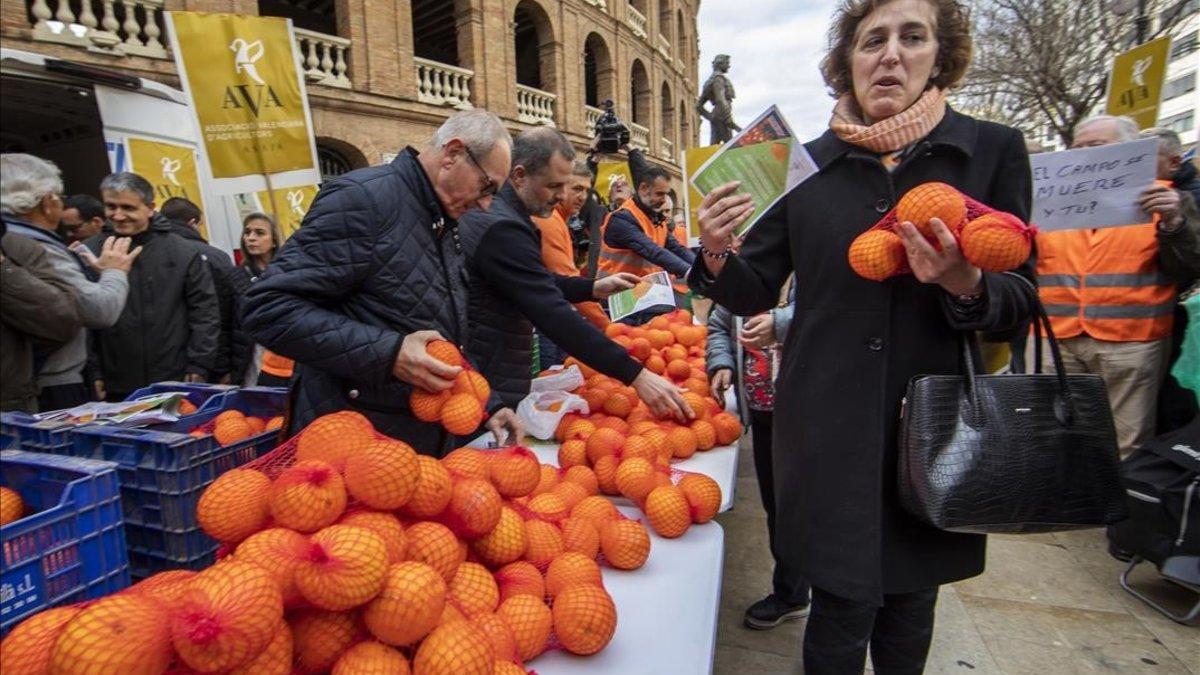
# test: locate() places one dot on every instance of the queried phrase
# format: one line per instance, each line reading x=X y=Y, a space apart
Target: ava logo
x=254 y=97
x=169 y=167
x=296 y=201
x=1139 y=70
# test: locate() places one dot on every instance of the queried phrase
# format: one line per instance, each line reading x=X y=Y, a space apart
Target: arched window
x=533 y=39
x=331 y=162
x=668 y=118
x=597 y=71
x=639 y=94
x=435 y=33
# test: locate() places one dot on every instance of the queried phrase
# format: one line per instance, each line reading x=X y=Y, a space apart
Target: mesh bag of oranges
x=460 y=409
x=992 y=240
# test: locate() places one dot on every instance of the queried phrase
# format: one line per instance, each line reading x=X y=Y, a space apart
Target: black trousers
x=839 y=632
x=787 y=583
x=62 y=396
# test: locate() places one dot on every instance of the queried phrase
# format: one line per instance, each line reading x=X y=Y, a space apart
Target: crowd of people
x=498 y=243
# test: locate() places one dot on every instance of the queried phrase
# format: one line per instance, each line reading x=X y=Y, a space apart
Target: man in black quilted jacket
x=373 y=274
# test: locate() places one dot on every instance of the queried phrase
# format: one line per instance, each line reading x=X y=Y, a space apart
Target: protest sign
x=1135 y=82
x=170 y=168
x=247 y=94
x=693 y=159
x=287 y=205
x=766 y=157
x=607 y=173
x=654 y=290
x=1092 y=187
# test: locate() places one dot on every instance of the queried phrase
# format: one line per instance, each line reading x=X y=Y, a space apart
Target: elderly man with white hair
x=31 y=202
x=1111 y=292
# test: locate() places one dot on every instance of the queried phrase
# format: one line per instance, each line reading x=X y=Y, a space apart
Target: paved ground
x=1048 y=604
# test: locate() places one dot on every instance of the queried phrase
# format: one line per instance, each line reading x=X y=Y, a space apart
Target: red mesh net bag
x=991 y=240
x=121 y=633
x=227 y=617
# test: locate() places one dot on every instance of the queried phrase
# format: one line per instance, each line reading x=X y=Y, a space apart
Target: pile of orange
x=461 y=408
x=232 y=426
x=994 y=242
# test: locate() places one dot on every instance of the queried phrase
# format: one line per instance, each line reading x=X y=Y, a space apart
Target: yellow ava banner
x=287 y=205
x=1136 y=81
x=242 y=79
x=607 y=172
x=170 y=168
x=693 y=159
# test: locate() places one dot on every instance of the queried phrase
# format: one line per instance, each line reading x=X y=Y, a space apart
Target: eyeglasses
x=488 y=186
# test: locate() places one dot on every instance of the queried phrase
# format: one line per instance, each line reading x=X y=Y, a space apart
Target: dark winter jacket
x=375 y=260
x=512 y=291
x=1186 y=180
x=854 y=344
x=220 y=265
x=171 y=321
x=37 y=307
x=241 y=345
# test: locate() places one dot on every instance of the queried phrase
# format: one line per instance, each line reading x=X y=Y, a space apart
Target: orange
x=703 y=495
x=696 y=403
x=635 y=478
x=660 y=322
x=584 y=477
x=571 y=493
x=543 y=542
x=333 y=437
x=345 y=567
x=97 y=638
x=274 y=423
x=462 y=414
x=445 y=352
x=514 y=472
x=520 y=578
x=658 y=439
x=308 y=496
x=427 y=406
x=26 y=650
x=474 y=508
x=387 y=526
x=604 y=442
x=729 y=428
x=996 y=242
x=169 y=586
x=585 y=618
x=409 y=606
x=877 y=255
x=584 y=369
x=560 y=432
x=595 y=399
x=467 y=463
x=473 y=590
x=508 y=668
x=549 y=478
x=660 y=338
x=504 y=646
x=505 y=543
x=696 y=384
x=932 y=200
x=580 y=429
x=474 y=383
x=606 y=474
x=459 y=648
x=433 y=490
x=596 y=509
x=383 y=475
x=236 y=505
x=276 y=659
x=706 y=434
x=257 y=425
x=320 y=637
x=228 y=616
x=683 y=442
x=668 y=511
x=638 y=446
x=615 y=423
x=624 y=543
x=435 y=545
x=639 y=348
x=570 y=569
x=572 y=453
x=230 y=427
x=280 y=552
x=613 y=330
x=530 y=621
x=549 y=507
x=371 y=658
x=581 y=536
x=678 y=369
x=675 y=353
x=185 y=407
x=656 y=364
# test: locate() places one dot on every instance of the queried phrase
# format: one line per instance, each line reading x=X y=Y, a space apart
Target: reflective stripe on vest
x=617 y=260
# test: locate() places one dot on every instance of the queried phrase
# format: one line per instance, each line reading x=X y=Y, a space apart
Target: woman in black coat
x=260 y=242
x=854 y=344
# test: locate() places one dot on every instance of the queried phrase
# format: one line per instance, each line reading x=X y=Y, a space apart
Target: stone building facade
x=383 y=73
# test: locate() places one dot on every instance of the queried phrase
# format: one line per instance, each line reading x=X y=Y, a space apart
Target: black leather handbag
x=1010 y=453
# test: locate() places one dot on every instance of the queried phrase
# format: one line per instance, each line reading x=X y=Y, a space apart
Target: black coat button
x=875 y=344
x=882 y=205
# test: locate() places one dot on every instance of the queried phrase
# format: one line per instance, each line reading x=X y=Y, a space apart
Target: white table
x=666 y=610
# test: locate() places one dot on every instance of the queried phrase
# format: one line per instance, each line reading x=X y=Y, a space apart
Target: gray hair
x=25 y=181
x=128 y=182
x=581 y=168
x=1127 y=128
x=1168 y=140
x=534 y=149
x=479 y=130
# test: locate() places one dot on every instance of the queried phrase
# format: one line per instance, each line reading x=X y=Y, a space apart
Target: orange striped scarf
x=893 y=133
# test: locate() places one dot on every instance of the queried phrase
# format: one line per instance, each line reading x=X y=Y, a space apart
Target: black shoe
x=1119 y=553
x=771 y=611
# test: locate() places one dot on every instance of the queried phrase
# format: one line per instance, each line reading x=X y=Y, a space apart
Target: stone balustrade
x=443 y=84
x=639 y=137
x=535 y=106
x=664 y=46
x=591 y=114
x=323 y=58
x=668 y=150
x=133 y=27
x=636 y=20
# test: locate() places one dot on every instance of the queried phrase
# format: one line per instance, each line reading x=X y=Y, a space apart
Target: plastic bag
x=542 y=411
x=1187 y=368
x=564 y=379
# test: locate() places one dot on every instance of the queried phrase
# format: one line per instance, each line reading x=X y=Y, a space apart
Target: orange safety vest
x=558 y=255
x=274 y=364
x=1105 y=283
x=617 y=260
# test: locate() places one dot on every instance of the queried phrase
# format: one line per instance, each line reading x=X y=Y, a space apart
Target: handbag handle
x=970 y=346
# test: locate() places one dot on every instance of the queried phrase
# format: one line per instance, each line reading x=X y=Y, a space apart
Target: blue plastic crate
x=72 y=547
x=163 y=472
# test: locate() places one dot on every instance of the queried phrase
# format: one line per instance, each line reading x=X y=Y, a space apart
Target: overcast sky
x=775 y=47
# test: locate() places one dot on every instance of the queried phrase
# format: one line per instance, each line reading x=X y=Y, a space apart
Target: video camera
x=611 y=133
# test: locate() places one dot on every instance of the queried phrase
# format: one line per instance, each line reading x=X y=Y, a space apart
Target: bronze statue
x=719 y=90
